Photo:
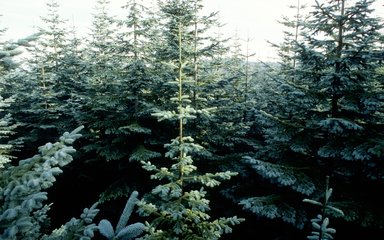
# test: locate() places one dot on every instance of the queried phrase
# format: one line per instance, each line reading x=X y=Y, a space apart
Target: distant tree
x=200 y=46
x=73 y=80
x=116 y=109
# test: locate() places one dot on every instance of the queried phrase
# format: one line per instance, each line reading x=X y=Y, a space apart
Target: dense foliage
x=160 y=91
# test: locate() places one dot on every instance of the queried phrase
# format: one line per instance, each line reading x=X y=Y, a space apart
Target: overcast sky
x=253 y=19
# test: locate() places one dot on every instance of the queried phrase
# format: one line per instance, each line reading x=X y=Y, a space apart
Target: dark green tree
x=73 y=80
x=102 y=93
x=38 y=85
x=9 y=73
x=138 y=80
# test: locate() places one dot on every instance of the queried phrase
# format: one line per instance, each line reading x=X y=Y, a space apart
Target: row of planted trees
x=276 y=130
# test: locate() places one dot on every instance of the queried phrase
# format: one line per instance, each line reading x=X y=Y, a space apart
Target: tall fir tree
x=179 y=211
x=117 y=111
x=73 y=78
x=10 y=74
x=39 y=105
x=202 y=50
x=328 y=120
x=102 y=104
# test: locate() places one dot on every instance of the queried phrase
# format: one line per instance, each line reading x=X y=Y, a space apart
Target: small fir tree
x=321 y=231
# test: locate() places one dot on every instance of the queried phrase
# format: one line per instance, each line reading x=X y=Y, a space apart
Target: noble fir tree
x=73 y=78
x=321 y=231
x=9 y=75
x=138 y=81
x=326 y=118
x=203 y=50
x=39 y=105
x=292 y=34
x=6 y=127
x=200 y=47
x=116 y=97
x=179 y=210
x=102 y=88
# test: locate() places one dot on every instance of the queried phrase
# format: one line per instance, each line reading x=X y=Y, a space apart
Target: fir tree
x=6 y=127
x=9 y=67
x=179 y=211
x=137 y=76
x=102 y=92
x=73 y=78
x=115 y=101
x=321 y=222
x=327 y=119
x=200 y=47
x=39 y=105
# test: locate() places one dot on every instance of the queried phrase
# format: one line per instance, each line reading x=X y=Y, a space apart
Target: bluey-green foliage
x=39 y=108
x=324 y=115
x=6 y=129
x=24 y=213
x=22 y=195
x=123 y=231
x=8 y=51
x=178 y=210
x=321 y=231
x=82 y=229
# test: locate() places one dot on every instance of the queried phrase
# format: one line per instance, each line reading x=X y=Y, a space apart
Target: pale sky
x=253 y=19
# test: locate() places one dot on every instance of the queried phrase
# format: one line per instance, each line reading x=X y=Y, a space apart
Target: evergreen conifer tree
x=5 y=118
x=137 y=76
x=321 y=231
x=22 y=187
x=115 y=108
x=327 y=119
x=203 y=51
x=73 y=81
x=179 y=211
x=200 y=47
x=39 y=106
x=103 y=110
x=9 y=67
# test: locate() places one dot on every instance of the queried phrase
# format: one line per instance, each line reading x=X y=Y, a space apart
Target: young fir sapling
x=321 y=231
